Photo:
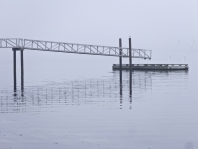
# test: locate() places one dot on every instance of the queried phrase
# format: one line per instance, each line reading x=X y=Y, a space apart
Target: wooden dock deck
x=152 y=66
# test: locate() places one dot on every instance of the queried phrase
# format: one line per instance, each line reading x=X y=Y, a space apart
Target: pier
x=19 y=44
x=151 y=67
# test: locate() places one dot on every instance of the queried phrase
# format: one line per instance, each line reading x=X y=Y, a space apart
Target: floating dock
x=152 y=67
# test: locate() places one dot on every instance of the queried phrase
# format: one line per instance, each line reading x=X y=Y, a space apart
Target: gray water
x=77 y=104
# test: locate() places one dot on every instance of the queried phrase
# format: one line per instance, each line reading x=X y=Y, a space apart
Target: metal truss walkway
x=18 y=43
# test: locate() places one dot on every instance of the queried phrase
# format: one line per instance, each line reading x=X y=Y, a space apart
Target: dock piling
x=14 y=69
x=130 y=68
x=22 y=71
x=120 y=60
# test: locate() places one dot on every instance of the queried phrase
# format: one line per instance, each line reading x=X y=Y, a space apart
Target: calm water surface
x=88 y=112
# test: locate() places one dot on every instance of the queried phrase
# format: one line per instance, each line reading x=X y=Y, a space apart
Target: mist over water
x=76 y=103
x=73 y=101
x=88 y=112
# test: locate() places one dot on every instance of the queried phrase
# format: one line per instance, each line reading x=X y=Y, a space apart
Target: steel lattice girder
x=72 y=48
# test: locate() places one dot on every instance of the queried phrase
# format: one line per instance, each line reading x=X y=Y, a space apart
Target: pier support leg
x=14 y=69
x=22 y=71
x=120 y=58
x=130 y=68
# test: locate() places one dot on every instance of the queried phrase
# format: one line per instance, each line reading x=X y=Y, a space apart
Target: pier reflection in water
x=105 y=91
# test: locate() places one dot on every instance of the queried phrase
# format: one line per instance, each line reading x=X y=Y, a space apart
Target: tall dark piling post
x=14 y=69
x=120 y=58
x=130 y=67
x=22 y=71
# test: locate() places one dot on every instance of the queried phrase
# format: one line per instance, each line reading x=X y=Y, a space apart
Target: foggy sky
x=152 y=24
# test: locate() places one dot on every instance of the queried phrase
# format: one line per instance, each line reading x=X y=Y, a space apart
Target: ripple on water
x=103 y=91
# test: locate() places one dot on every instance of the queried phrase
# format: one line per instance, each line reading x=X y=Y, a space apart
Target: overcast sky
x=152 y=24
